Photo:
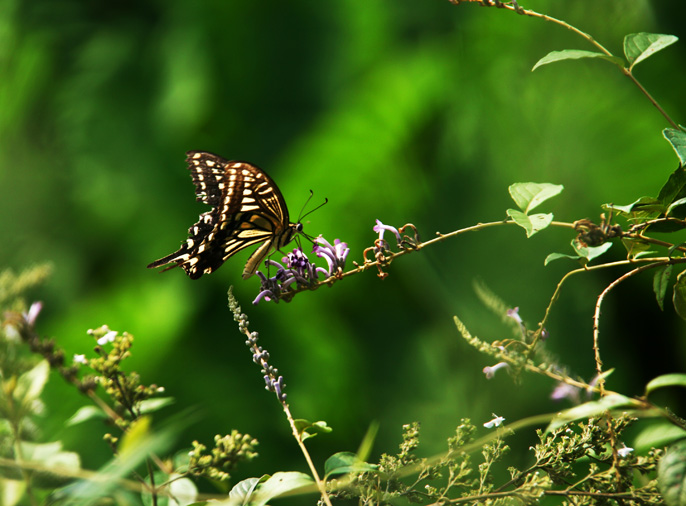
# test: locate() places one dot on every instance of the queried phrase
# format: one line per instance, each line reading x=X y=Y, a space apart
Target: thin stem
x=601 y=298
x=626 y=71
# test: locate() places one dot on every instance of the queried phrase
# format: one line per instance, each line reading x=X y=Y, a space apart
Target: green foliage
x=372 y=142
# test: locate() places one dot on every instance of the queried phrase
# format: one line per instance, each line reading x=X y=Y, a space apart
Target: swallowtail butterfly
x=247 y=209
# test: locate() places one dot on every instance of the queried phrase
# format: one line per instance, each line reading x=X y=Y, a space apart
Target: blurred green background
x=419 y=112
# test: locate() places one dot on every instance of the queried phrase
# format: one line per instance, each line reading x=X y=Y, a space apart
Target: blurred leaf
x=151 y=405
x=56 y=464
x=666 y=380
x=11 y=491
x=590 y=409
x=137 y=433
x=639 y=46
x=660 y=283
x=183 y=491
x=636 y=247
x=590 y=252
x=674 y=205
x=365 y=449
x=345 y=462
x=528 y=196
x=679 y=295
x=30 y=385
x=575 y=54
x=279 y=484
x=658 y=434
x=677 y=138
x=532 y=224
x=556 y=256
x=671 y=474
x=85 y=413
x=308 y=429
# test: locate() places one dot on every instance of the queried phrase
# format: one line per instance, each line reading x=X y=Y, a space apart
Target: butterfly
x=247 y=209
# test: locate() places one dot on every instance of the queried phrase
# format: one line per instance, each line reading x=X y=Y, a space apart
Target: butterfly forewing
x=248 y=209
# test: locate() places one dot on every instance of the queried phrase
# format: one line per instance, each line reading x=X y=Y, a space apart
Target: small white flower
x=107 y=338
x=497 y=420
x=624 y=451
x=490 y=371
x=80 y=359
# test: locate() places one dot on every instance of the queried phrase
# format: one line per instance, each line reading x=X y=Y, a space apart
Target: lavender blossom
x=335 y=255
x=490 y=371
x=380 y=228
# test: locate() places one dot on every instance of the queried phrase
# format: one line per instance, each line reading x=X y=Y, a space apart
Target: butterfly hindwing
x=247 y=209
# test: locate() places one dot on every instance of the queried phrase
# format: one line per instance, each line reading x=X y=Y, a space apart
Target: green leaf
x=677 y=138
x=575 y=54
x=660 y=283
x=85 y=413
x=639 y=46
x=242 y=491
x=282 y=483
x=657 y=434
x=183 y=491
x=666 y=380
x=532 y=224
x=11 y=491
x=556 y=256
x=590 y=252
x=346 y=462
x=308 y=429
x=636 y=247
x=590 y=409
x=139 y=431
x=645 y=208
x=150 y=405
x=674 y=186
x=365 y=449
x=56 y=465
x=679 y=295
x=671 y=474
x=675 y=205
x=528 y=196
x=31 y=383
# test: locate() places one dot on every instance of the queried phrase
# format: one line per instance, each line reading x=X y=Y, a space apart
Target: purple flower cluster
x=297 y=268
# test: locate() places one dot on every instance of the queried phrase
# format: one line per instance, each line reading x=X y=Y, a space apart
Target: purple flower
x=32 y=314
x=565 y=391
x=380 y=228
x=514 y=314
x=335 y=255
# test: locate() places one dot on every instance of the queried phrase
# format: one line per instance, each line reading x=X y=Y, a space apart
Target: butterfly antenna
x=326 y=201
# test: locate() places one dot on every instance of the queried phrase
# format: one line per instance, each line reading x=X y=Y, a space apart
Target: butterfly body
x=247 y=209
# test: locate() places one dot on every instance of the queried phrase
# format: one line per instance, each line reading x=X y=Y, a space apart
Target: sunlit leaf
x=85 y=413
x=666 y=380
x=590 y=252
x=673 y=187
x=533 y=223
x=528 y=196
x=31 y=383
x=639 y=46
x=575 y=54
x=150 y=405
x=679 y=295
x=365 y=449
x=658 y=434
x=183 y=491
x=345 y=462
x=590 y=409
x=556 y=256
x=281 y=483
x=660 y=284
x=677 y=138
x=11 y=491
x=671 y=474
x=242 y=491
x=308 y=429
x=139 y=431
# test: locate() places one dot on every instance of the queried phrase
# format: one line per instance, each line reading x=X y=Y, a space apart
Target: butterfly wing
x=247 y=209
